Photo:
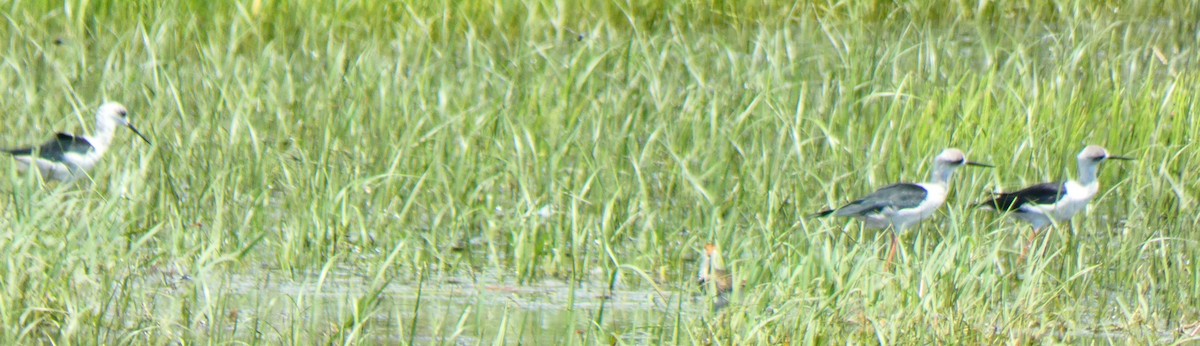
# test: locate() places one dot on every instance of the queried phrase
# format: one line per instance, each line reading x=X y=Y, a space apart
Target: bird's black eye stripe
x=959 y=161
x=122 y=113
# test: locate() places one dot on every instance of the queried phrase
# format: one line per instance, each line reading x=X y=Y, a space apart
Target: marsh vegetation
x=470 y=172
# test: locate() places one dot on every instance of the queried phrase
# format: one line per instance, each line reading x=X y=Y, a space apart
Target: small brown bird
x=713 y=274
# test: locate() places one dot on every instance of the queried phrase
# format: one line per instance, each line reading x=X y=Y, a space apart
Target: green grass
x=549 y=171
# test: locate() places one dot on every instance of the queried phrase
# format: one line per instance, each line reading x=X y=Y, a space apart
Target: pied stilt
x=69 y=157
x=903 y=205
x=1048 y=204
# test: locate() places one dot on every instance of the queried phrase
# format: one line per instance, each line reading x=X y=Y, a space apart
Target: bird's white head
x=951 y=157
x=1097 y=154
x=113 y=114
x=1090 y=159
x=948 y=161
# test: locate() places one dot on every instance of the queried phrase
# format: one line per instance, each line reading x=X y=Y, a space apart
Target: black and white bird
x=900 y=206
x=1047 y=204
x=69 y=157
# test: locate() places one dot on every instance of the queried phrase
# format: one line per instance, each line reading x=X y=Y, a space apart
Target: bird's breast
x=1077 y=198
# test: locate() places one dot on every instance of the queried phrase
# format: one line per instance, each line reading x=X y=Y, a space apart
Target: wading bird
x=900 y=206
x=713 y=276
x=69 y=157
x=1048 y=204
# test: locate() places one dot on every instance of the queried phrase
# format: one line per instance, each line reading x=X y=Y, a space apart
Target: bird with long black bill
x=900 y=206
x=1047 y=204
x=69 y=157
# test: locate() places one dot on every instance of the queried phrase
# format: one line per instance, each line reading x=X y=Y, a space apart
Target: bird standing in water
x=69 y=157
x=900 y=206
x=1047 y=204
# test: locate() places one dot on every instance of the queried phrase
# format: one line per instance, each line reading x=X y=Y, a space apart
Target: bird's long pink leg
x=1032 y=238
x=891 y=254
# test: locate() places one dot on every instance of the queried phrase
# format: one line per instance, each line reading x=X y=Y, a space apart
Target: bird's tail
x=18 y=151
x=998 y=203
x=989 y=204
x=822 y=213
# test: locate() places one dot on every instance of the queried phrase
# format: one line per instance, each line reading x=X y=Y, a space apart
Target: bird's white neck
x=1087 y=172
x=941 y=174
x=103 y=136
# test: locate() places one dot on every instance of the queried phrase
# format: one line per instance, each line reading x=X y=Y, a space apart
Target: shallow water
x=449 y=310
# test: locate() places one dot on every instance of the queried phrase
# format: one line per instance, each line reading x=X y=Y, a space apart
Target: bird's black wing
x=898 y=196
x=1045 y=193
x=57 y=148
